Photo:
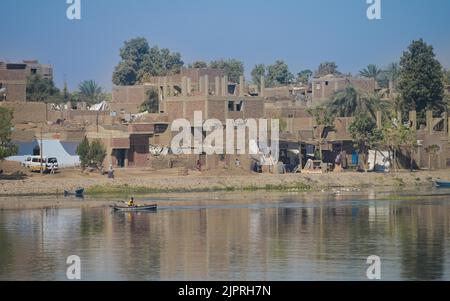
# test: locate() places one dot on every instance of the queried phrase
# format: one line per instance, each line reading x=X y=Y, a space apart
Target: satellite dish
x=3 y=90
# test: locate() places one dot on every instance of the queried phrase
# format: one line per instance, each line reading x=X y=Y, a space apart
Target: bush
x=91 y=154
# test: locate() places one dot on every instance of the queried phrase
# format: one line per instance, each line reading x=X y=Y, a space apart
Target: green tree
x=135 y=50
x=366 y=135
x=125 y=74
x=392 y=142
x=139 y=61
x=151 y=105
x=6 y=147
x=83 y=153
x=304 y=76
x=324 y=121
x=91 y=154
x=90 y=92
x=409 y=139
x=232 y=67
x=97 y=153
x=159 y=62
x=351 y=101
x=420 y=82
x=40 y=89
x=258 y=72
x=326 y=68
x=398 y=136
x=279 y=74
x=199 y=64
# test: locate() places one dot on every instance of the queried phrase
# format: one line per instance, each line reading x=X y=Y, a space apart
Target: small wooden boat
x=442 y=184
x=125 y=208
x=79 y=192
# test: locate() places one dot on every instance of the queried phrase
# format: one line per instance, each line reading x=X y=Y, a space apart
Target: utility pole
x=96 y=119
x=42 y=152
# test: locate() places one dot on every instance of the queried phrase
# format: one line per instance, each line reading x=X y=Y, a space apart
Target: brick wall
x=139 y=150
x=15 y=82
x=323 y=88
x=26 y=112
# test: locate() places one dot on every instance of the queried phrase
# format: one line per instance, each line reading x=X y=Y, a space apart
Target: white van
x=34 y=163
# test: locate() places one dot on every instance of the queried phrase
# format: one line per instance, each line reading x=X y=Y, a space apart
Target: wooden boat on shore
x=442 y=184
x=124 y=208
x=79 y=192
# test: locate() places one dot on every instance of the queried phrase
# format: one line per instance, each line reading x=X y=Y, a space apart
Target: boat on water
x=79 y=192
x=125 y=208
x=442 y=184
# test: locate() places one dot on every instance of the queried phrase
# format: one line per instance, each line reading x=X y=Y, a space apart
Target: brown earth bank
x=19 y=182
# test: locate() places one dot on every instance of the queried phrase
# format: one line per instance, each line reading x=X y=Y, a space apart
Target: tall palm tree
x=90 y=92
x=352 y=101
x=393 y=70
x=371 y=71
x=388 y=77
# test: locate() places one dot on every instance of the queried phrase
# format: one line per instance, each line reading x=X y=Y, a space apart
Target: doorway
x=120 y=157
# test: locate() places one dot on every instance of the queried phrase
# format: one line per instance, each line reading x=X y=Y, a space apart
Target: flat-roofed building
x=13 y=82
x=324 y=87
x=13 y=78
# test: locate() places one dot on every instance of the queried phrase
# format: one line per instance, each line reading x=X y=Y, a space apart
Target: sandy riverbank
x=147 y=181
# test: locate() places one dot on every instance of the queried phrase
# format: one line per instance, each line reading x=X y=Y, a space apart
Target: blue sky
x=301 y=32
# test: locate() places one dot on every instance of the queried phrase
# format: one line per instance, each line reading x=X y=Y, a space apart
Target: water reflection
x=289 y=240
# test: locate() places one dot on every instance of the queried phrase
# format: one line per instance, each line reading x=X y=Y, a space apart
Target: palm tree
x=90 y=92
x=352 y=101
x=393 y=69
x=371 y=71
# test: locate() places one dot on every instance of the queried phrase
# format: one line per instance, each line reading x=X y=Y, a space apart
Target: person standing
x=111 y=172
x=237 y=163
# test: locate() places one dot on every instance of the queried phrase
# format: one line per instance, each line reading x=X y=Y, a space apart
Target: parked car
x=34 y=163
x=27 y=162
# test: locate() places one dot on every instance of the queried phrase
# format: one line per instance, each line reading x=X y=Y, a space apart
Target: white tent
x=99 y=107
x=52 y=148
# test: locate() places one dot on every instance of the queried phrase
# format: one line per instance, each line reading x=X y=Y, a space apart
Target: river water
x=289 y=238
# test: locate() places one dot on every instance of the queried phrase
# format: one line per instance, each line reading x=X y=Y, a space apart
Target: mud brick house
x=324 y=87
x=13 y=78
x=128 y=145
x=13 y=82
x=128 y=99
